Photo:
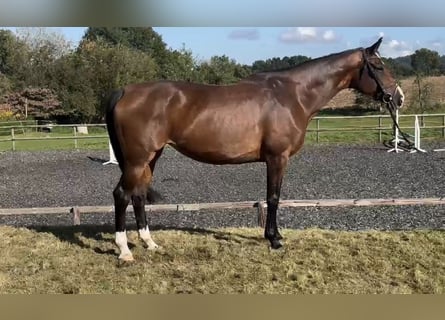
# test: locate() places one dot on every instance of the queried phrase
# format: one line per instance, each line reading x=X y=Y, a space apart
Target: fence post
x=13 y=139
x=380 y=129
x=75 y=135
x=318 y=130
x=443 y=126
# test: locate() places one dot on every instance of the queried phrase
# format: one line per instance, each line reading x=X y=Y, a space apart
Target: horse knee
x=138 y=200
x=119 y=195
x=272 y=201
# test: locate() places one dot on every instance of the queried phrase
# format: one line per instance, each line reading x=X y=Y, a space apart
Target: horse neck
x=318 y=84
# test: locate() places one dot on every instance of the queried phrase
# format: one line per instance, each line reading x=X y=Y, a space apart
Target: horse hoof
x=124 y=263
x=275 y=244
x=126 y=258
x=153 y=247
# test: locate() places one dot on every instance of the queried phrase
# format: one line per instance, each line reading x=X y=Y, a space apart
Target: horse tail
x=110 y=106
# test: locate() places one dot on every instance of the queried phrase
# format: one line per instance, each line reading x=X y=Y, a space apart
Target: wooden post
x=443 y=126
x=261 y=206
x=75 y=135
x=318 y=130
x=380 y=129
x=13 y=139
x=76 y=215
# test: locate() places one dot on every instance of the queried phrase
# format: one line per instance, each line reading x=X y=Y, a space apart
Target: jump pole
x=396 y=136
x=112 y=157
x=417 y=136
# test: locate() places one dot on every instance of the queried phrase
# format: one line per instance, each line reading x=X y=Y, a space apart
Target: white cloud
x=307 y=34
x=329 y=35
x=393 y=48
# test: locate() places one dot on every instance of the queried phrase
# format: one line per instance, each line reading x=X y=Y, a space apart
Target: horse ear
x=373 y=49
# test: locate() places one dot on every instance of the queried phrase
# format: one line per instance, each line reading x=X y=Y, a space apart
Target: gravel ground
x=78 y=178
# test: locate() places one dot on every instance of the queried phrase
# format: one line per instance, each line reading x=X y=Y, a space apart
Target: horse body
x=201 y=121
x=261 y=118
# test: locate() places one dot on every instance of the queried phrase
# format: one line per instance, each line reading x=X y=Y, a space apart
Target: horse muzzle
x=398 y=97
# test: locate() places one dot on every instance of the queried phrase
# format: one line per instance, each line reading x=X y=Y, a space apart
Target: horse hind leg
x=139 y=196
x=121 y=201
x=152 y=195
x=132 y=186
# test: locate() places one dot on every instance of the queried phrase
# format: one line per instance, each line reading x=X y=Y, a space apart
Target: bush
x=7 y=115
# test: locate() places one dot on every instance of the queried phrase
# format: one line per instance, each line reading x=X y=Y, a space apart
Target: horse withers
x=262 y=118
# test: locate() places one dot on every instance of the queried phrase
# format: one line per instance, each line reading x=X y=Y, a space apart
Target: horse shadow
x=98 y=160
x=80 y=235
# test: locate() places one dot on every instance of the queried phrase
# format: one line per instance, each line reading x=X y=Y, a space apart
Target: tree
x=242 y=71
x=97 y=67
x=442 y=65
x=14 y=57
x=181 y=65
x=278 y=63
x=219 y=70
x=421 y=101
x=28 y=60
x=425 y=62
x=400 y=67
x=5 y=85
x=143 y=39
x=7 y=49
x=367 y=103
x=34 y=102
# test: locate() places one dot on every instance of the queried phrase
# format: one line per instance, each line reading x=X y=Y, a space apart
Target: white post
x=112 y=159
x=75 y=140
x=417 y=136
x=396 y=138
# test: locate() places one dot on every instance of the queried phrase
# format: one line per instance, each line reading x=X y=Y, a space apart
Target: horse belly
x=222 y=148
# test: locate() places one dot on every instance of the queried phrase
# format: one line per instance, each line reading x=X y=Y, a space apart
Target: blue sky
x=247 y=44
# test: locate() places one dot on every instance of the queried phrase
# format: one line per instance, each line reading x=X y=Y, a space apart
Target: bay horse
x=262 y=118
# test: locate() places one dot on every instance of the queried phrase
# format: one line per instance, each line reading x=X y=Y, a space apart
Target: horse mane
x=332 y=58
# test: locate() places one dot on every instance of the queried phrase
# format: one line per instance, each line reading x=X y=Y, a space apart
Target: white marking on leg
x=144 y=234
x=121 y=242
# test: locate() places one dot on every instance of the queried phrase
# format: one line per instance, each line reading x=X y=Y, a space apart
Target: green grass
x=46 y=143
x=369 y=136
x=84 y=260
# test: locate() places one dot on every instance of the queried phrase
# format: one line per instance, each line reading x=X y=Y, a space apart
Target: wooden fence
x=380 y=124
x=260 y=205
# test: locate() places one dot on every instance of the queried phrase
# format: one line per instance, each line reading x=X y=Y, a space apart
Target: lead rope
x=405 y=137
x=390 y=105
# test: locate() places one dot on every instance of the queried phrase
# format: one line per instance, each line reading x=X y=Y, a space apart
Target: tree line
x=43 y=73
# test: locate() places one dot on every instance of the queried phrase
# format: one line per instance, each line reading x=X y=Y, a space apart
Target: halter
x=386 y=97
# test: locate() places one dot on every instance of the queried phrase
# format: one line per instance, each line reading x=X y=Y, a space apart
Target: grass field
x=61 y=138
x=338 y=130
x=83 y=260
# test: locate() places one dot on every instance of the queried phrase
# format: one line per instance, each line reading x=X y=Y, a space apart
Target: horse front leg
x=276 y=166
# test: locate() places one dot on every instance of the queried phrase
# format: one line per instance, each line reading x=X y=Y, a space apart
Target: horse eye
x=377 y=67
x=380 y=68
